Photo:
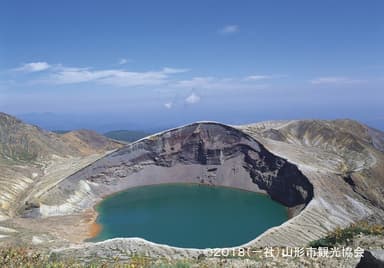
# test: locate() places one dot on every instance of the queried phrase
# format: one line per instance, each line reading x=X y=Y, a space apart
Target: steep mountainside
x=359 y=149
x=30 y=155
x=208 y=153
x=24 y=142
x=334 y=135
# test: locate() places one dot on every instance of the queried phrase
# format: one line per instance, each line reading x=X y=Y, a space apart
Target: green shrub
x=346 y=235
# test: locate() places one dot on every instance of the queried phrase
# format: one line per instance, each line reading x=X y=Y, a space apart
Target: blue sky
x=155 y=64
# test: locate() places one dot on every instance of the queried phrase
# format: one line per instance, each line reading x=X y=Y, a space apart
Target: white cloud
x=200 y=82
x=116 y=77
x=165 y=78
x=258 y=77
x=209 y=82
x=168 y=105
x=192 y=99
x=334 y=80
x=110 y=77
x=264 y=77
x=123 y=61
x=229 y=29
x=33 y=67
x=168 y=70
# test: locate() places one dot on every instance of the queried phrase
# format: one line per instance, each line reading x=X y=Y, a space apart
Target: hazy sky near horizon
x=171 y=62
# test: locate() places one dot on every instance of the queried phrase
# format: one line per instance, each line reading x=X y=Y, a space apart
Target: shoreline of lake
x=96 y=227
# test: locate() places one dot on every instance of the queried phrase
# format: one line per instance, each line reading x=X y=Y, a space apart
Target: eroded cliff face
x=207 y=153
x=353 y=152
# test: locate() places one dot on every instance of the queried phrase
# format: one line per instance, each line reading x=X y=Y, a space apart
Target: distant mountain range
x=126 y=135
x=119 y=135
x=99 y=123
x=103 y=123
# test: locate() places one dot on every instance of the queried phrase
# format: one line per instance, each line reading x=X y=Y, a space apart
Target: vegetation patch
x=25 y=257
x=346 y=235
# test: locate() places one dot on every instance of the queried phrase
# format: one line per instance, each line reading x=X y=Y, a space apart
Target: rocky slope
x=328 y=173
x=207 y=153
x=321 y=170
x=357 y=150
x=24 y=142
x=32 y=159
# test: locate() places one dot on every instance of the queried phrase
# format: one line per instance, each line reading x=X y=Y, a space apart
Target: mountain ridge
x=29 y=155
x=20 y=141
x=342 y=160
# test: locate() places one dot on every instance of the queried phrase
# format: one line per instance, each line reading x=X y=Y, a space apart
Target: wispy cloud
x=168 y=70
x=109 y=77
x=192 y=99
x=258 y=77
x=168 y=105
x=264 y=77
x=33 y=67
x=59 y=74
x=199 y=82
x=210 y=82
x=167 y=78
x=229 y=29
x=334 y=80
x=123 y=61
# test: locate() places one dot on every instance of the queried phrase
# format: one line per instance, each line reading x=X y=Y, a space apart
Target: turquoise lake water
x=184 y=215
